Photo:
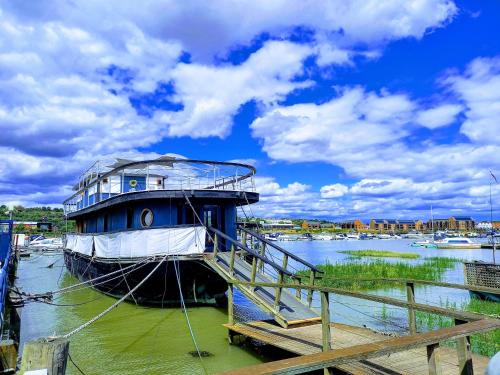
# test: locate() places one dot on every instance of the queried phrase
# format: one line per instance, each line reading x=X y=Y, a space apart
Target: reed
x=345 y=274
x=487 y=343
x=380 y=254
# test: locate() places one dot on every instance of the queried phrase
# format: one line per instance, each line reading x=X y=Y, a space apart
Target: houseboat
x=132 y=215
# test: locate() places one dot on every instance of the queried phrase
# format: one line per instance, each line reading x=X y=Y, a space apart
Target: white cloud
x=333 y=191
x=479 y=89
x=439 y=116
x=211 y=96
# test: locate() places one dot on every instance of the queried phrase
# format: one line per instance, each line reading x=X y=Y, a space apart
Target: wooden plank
x=426 y=282
x=364 y=351
x=464 y=353
x=42 y=354
x=433 y=359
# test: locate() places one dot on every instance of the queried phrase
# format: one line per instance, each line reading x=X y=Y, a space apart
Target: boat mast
x=491 y=218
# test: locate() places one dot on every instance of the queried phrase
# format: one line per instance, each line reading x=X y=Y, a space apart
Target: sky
x=360 y=109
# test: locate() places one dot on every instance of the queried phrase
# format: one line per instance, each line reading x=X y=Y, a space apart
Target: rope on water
x=99 y=316
x=183 y=305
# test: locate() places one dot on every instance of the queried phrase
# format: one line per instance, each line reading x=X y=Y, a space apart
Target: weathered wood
x=462 y=315
x=464 y=352
x=8 y=356
x=277 y=295
x=216 y=244
x=425 y=282
x=298 y=293
x=410 y=297
x=231 y=260
x=254 y=269
x=262 y=254
x=43 y=354
x=433 y=359
x=230 y=304
x=333 y=358
x=310 y=291
x=326 y=336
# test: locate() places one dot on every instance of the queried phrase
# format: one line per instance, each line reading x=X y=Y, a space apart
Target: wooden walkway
x=308 y=340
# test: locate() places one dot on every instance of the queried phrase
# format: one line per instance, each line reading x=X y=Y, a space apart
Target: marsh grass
x=344 y=274
x=487 y=343
x=380 y=254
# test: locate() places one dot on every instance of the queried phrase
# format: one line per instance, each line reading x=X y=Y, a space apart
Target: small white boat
x=457 y=243
x=323 y=237
x=353 y=236
x=384 y=236
x=46 y=244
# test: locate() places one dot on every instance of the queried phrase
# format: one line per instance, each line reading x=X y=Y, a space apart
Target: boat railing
x=101 y=183
x=304 y=272
x=260 y=264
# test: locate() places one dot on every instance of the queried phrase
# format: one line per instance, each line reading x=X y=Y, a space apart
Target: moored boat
x=132 y=215
x=457 y=243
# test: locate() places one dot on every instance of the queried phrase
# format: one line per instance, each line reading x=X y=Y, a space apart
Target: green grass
x=487 y=343
x=380 y=253
x=344 y=274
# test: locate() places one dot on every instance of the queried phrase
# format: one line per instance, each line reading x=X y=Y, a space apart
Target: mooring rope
x=99 y=316
x=183 y=305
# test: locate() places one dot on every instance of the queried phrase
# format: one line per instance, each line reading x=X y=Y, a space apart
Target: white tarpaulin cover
x=144 y=243
x=80 y=243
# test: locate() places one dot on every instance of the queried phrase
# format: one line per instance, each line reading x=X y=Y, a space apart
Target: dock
x=262 y=271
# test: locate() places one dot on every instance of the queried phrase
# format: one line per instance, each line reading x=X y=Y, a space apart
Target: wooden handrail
x=251 y=252
x=317 y=361
x=423 y=282
x=462 y=315
x=280 y=249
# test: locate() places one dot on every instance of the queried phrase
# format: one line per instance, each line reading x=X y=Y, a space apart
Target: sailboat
x=485 y=274
x=427 y=243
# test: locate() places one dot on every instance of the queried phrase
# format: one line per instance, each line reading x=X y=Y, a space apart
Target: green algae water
x=130 y=339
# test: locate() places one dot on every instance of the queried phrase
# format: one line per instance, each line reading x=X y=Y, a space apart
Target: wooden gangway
x=359 y=350
x=250 y=261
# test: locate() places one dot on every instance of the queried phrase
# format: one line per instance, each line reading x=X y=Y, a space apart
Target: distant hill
x=39 y=214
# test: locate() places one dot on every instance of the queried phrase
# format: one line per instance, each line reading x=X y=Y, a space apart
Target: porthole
x=147 y=217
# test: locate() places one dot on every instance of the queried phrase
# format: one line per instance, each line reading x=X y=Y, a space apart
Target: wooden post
x=410 y=297
x=231 y=260
x=8 y=355
x=254 y=270
x=433 y=359
x=230 y=304
x=262 y=253
x=42 y=354
x=277 y=297
x=230 y=310
x=312 y=276
x=244 y=237
x=464 y=353
x=298 y=293
x=216 y=245
x=325 y=325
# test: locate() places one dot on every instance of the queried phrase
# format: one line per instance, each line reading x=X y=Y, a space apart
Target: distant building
x=34 y=225
x=461 y=223
x=311 y=225
x=353 y=224
x=395 y=225
x=276 y=224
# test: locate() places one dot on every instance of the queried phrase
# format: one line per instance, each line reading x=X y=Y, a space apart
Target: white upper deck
x=108 y=178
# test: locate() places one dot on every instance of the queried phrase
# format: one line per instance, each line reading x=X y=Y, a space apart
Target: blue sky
x=354 y=109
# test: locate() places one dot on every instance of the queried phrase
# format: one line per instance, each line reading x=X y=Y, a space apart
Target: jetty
x=267 y=275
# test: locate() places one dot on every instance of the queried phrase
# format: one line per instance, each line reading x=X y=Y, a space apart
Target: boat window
x=147 y=217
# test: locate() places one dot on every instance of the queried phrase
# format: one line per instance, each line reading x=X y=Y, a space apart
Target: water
x=138 y=340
